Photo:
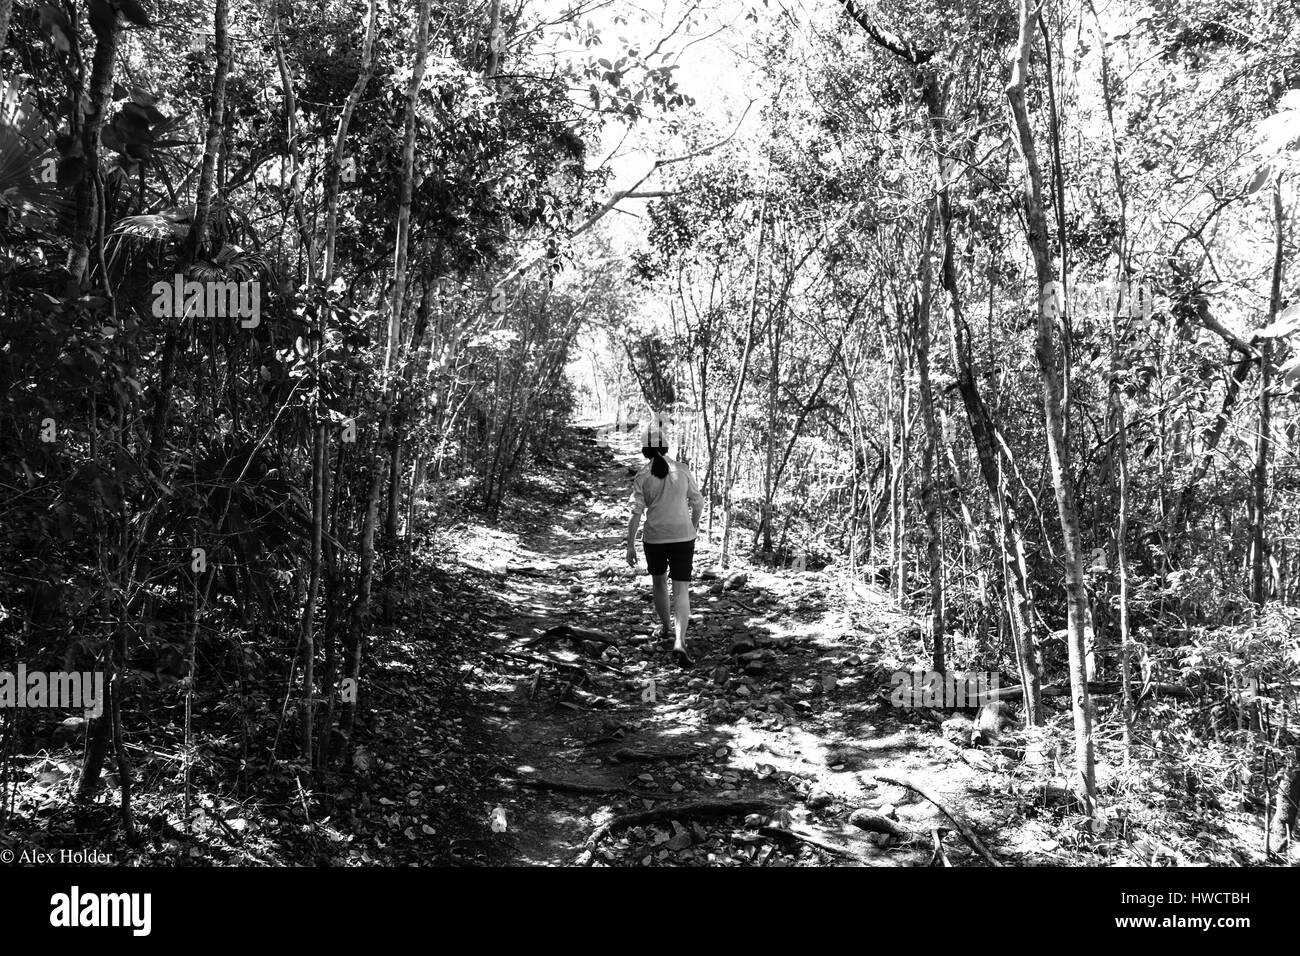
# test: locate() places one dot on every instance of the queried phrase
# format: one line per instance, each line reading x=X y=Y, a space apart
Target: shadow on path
x=785 y=714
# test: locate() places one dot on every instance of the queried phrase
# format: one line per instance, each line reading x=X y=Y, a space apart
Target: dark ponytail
x=658 y=467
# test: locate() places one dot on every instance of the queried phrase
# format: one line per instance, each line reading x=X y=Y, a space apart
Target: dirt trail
x=787 y=706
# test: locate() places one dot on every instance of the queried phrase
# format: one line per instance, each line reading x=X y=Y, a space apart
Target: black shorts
x=675 y=558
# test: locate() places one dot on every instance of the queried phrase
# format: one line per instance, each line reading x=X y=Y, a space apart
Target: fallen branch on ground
x=812 y=840
x=959 y=823
x=878 y=823
x=528 y=571
x=1094 y=687
x=627 y=754
x=939 y=852
x=554 y=661
x=563 y=631
x=545 y=783
x=699 y=808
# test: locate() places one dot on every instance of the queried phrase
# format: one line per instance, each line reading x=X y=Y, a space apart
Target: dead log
x=1094 y=687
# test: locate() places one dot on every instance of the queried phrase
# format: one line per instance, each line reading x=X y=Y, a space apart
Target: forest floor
x=596 y=748
x=521 y=713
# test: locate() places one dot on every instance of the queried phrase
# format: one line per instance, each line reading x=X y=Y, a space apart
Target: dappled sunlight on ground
x=609 y=754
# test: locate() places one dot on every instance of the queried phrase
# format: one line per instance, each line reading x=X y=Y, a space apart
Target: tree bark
x=931 y=486
x=1259 y=584
x=318 y=466
x=216 y=129
x=1050 y=307
x=405 y=191
x=6 y=9
x=733 y=403
x=88 y=192
x=359 y=621
x=306 y=236
x=333 y=174
x=1118 y=426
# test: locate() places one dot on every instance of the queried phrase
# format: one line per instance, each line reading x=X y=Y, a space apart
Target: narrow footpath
x=770 y=751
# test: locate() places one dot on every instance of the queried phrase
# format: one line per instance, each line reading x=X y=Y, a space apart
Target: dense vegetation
x=991 y=305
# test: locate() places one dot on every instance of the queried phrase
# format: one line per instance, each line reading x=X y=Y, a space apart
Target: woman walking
x=664 y=490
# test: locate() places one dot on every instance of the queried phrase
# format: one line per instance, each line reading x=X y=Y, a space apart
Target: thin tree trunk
x=216 y=127
x=931 y=486
x=1259 y=586
x=88 y=191
x=898 y=478
x=1049 y=305
x=6 y=9
x=334 y=173
x=987 y=449
x=733 y=403
x=319 y=463
x=405 y=191
x=212 y=149
x=495 y=38
x=1181 y=510
x=776 y=333
x=1118 y=425
x=359 y=623
x=306 y=237
x=1286 y=806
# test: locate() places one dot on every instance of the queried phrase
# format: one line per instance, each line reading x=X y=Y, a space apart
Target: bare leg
x=661 y=601
x=682 y=609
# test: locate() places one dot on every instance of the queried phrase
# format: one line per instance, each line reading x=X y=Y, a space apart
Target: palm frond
x=156 y=226
x=28 y=160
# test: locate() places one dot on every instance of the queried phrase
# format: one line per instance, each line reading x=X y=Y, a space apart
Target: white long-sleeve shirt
x=672 y=505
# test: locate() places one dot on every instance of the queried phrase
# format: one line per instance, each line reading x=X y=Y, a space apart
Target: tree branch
x=895 y=44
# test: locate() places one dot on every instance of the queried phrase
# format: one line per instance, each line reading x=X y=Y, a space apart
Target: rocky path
x=769 y=752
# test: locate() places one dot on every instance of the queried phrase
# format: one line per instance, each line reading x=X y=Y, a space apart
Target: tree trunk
x=405 y=191
x=359 y=623
x=1049 y=310
x=775 y=334
x=931 y=486
x=1259 y=560
x=88 y=194
x=334 y=172
x=898 y=486
x=306 y=236
x=1286 y=806
x=733 y=404
x=6 y=9
x=1118 y=426
x=495 y=38
x=216 y=128
x=319 y=462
